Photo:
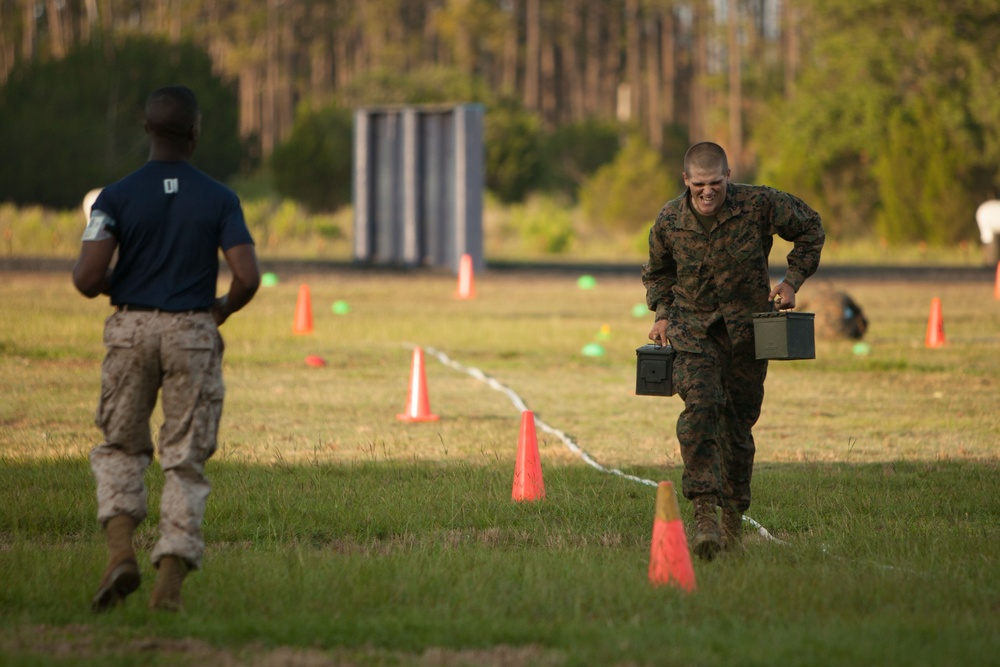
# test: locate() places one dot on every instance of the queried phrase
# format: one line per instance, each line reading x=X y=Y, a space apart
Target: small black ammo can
x=654 y=371
x=784 y=334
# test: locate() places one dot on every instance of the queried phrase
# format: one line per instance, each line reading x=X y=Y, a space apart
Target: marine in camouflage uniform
x=167 y=222
x=707 y=274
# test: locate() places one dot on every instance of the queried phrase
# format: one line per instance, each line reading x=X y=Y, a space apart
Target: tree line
x=880 y=112
x=648 y=61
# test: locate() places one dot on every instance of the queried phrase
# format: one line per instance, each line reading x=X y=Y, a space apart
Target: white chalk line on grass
x=518 y=402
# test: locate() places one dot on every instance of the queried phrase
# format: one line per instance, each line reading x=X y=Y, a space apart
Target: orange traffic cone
x=303 y=312
x=418 y=405
x=935 y=325
x=466 y=282
x=528 y=482
x=996 y=284
x=669 y=558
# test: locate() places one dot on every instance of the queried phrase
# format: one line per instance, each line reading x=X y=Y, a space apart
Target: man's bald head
x=706 y=156
x=172 y=114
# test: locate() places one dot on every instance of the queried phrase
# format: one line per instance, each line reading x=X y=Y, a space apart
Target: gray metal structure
x=418 y=185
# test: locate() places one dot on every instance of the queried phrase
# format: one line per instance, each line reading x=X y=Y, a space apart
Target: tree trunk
x=735 y=87
x=532 y=55
x=791 y=43
x=57 y=43
x=654 y=112
x=6 y=53
x=430 y=39
x=319 y=56
x=269 y=107
x=508 y=81
x=89 y=22
x=572 y=76
x=612 y=61
x=341 y=47
x=633 y=59
x=668 y=66
x=107 y=19
x=463 y=49
x=286 y=82
x=593 y=56
x=697 y=126
x=249 y=100
x=175 y=20
x=549 y=85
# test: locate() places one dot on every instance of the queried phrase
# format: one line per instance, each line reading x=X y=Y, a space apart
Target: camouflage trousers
x=722 y=391
x=180 y=354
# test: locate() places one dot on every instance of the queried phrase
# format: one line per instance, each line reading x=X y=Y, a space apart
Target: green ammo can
x=654 y=372
x=784 y=334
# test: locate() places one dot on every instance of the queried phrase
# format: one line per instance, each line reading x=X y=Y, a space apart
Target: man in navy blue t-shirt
x=167 y=221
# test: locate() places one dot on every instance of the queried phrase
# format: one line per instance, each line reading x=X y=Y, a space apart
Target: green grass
x=337 y=534
x=883 y=564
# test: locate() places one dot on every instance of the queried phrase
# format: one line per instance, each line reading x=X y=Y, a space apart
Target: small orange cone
x=996 y=284
x=669 y=558
x=418 y=405
x=303 y=312
x=528 y=482
x=466 y=282
x=935 y=325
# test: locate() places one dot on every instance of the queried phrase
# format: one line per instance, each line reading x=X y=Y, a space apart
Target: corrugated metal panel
x=418 y=185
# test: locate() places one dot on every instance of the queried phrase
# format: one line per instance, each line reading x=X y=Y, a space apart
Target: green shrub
x=543 y=225
x=573 y=152
x=627 y=193
x=924 y=180
x=313 y=166
x=70 y=125
x=34 y=231
x=283 y=228
x=513 y=150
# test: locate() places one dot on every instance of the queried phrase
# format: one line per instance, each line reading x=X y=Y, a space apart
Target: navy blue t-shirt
x=170 y=220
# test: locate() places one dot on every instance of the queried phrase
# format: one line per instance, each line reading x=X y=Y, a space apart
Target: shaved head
x=706 y=156
x=172 y=113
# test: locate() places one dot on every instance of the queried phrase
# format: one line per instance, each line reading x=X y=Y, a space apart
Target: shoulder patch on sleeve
x=97 y=227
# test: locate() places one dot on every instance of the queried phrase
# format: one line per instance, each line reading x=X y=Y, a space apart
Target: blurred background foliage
x=882 y=115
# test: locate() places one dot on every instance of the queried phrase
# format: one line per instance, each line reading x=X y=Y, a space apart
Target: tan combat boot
x=707 y=537
x=732 y=529
x=121 y=577
x=167 y=592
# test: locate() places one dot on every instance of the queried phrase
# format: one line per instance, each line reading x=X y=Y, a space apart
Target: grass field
x=338 y=535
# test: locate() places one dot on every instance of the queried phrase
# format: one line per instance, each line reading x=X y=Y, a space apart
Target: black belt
x=148 y=309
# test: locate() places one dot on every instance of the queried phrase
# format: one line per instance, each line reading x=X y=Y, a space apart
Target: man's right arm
x=242 y=261
x=659 y=275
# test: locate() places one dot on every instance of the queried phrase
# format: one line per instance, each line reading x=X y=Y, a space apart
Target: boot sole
x=122 y=582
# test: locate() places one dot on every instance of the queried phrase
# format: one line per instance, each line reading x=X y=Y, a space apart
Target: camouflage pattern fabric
x=180 y=353
x=707 y=284
x=722 y=396
x=693 y=279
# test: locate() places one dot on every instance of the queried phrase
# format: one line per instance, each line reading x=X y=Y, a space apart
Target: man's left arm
x=92 y=271
x=242 y=261
x=793 y=220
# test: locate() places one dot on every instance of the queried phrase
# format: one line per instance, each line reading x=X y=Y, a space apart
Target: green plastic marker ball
x=586 y=282
x=640 y=310
x=269 y=279
x=593 y=350
x=861 y=349
x=340 y=308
